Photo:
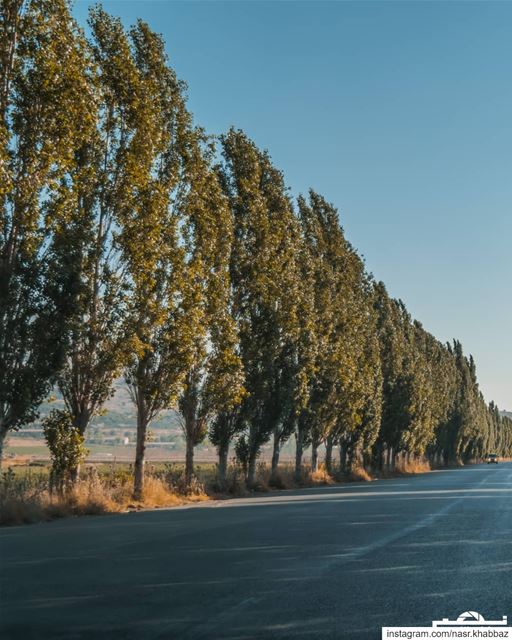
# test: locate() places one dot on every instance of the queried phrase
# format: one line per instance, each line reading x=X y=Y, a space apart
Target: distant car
x=492 y=458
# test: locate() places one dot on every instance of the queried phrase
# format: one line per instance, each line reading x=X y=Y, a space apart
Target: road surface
x=335 y=562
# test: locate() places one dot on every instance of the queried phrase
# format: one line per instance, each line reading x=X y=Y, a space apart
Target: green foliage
x=41 y=124
x=130 y=244
x=266 y=287
x=66 y=445
x=92 y=200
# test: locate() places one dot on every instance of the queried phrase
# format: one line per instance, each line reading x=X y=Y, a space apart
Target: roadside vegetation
x=28 y=493
x=135 y=246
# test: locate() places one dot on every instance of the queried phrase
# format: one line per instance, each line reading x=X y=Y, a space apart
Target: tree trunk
x=251 y=470
x=314 y=457
x=222 y=469
x=189 y=456
x=328 y=455
x=299 y=450
x=74 y=474
x=388 y=457
x=80 y=421
x=275 y=452
x=343 y=456
x=3 y=435
x=378 y=456
x=351 y=454
x=140 y=462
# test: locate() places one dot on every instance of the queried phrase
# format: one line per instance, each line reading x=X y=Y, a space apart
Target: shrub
x=21 y=497
x=67 y=450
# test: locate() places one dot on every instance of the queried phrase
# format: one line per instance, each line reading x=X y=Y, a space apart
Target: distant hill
x=116 y=421
x=507 y=414
x=111 y=434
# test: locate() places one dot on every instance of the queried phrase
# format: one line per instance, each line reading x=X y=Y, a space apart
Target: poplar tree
x=360 y=401
x=213 y=387
x=265 y=283
x=392 y=344
x=176 y=239
x=214 y=383
x=307 y=352
x=226 y=386
x=150 y=240
x=340 y=314
x=95 y=196
x=44 y=117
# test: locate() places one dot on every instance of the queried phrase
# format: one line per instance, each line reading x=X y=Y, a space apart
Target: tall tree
x=213 y=387
x=95 y=196
x=359 y=401
x=163 y=309
x=392 y=341
x=341 y=311
x=176 y=241
x=44 y=117
x=306 y=352
x=265 y=283
x=225 y=388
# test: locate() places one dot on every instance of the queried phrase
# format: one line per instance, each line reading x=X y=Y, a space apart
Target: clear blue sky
x=399 y=113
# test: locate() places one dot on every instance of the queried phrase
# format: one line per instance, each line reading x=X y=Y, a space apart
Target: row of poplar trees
x=134 y=245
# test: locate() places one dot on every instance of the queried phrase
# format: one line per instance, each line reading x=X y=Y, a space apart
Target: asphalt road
x=337 y=562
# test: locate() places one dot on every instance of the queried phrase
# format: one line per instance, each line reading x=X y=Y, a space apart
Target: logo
x=469 y=624
x=470 y=619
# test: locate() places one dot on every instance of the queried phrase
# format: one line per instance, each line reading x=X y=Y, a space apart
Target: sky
x=399 y=113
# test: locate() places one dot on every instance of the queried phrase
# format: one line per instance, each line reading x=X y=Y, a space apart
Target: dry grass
x=359 y=474
x=26 y=498
x=320 y=477
x=158 y=494
x=403 y=468
x=282 y=479
x=416 y=465
x=79 y=501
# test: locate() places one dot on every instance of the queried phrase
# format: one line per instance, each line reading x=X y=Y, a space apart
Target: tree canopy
x=135 y=245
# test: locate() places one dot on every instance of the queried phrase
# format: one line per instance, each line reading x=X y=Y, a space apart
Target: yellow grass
x=416 y=465
x=24 y=494
x=360 y=475
x=320 y=477
x=157 y=494
x=26 y=499
x=282 y=479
